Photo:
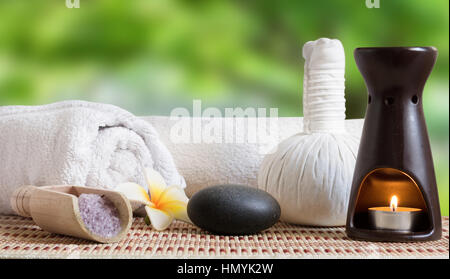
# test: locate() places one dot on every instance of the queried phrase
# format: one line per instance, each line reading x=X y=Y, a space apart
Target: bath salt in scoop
x=90 y=213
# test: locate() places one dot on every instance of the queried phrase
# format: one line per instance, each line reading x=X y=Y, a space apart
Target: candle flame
x=394 y=202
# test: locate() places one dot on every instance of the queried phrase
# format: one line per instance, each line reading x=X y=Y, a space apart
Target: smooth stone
x=233 y=209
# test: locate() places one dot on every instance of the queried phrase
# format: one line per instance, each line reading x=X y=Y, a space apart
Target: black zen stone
x=233 y=209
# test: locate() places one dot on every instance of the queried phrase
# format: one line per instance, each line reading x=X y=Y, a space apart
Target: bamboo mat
x=20 y=238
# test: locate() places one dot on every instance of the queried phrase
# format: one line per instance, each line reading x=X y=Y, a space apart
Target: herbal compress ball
x=310 y=173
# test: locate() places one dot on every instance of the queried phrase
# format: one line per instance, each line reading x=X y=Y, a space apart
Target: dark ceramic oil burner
x=394 y=157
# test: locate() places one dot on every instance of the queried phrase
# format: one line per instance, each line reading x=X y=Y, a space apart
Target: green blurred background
x=150 y=56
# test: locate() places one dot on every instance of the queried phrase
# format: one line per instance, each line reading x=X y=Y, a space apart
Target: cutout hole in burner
x=378 y=187
x=389 y=101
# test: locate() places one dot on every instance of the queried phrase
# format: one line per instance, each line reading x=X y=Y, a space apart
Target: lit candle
x=394 y=217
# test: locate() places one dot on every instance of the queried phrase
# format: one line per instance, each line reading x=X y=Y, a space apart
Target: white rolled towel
x=77 y=143
x=231 y=156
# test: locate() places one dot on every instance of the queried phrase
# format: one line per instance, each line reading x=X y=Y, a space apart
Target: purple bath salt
x=99 y=215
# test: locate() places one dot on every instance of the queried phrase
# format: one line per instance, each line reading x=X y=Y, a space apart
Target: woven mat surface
x=21 y=238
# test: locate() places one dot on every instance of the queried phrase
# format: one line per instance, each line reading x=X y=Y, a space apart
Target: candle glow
x=394 y=217
x=394 y=203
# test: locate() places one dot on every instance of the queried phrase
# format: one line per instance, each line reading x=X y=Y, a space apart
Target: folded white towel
x=234 y=160
x=78 y=143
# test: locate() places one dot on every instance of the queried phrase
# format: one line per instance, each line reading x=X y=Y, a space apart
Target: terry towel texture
x=204 y=163
x=77 y=143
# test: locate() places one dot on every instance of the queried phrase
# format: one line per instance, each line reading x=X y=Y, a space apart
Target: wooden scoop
x=55 y=209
